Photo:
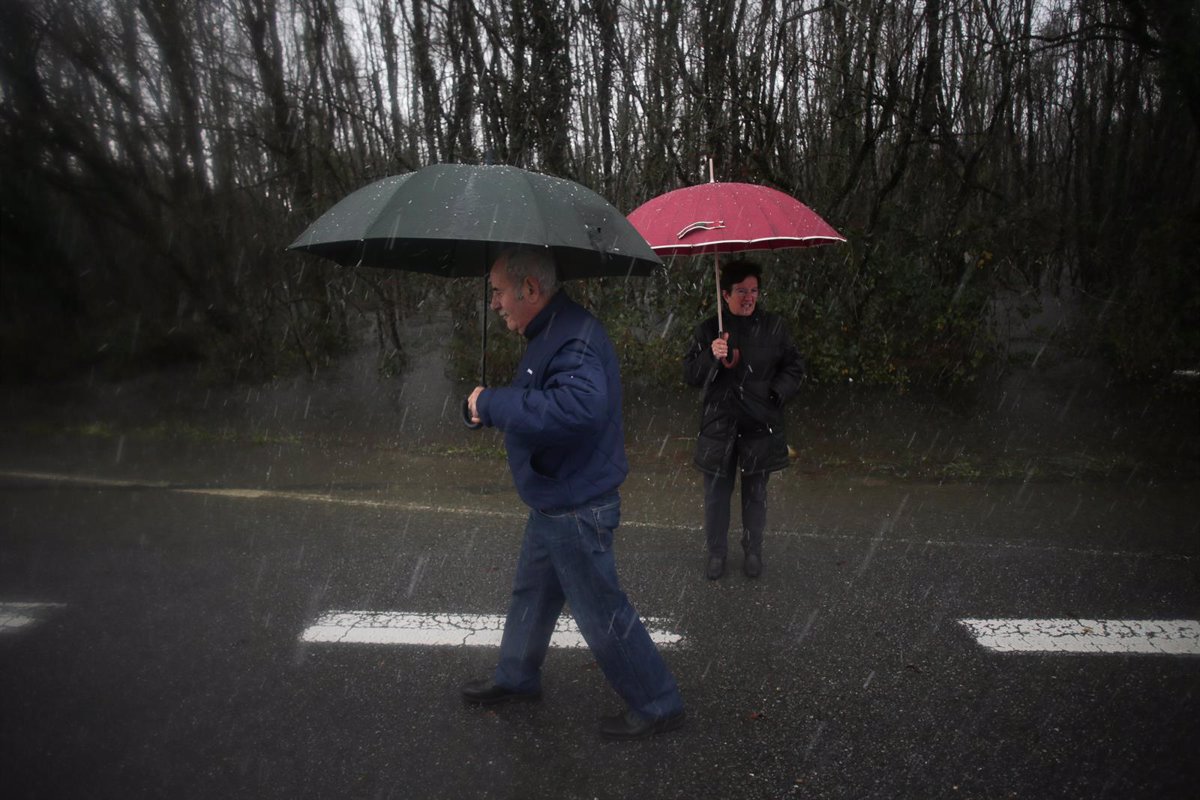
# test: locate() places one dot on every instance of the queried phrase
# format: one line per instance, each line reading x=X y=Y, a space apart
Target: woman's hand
x=720 y=347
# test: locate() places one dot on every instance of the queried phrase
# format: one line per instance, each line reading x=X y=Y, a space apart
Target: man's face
x=515 y=311
x=743 y=297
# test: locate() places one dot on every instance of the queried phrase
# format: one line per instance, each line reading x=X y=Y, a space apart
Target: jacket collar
x=735 y=320
x=556 y=304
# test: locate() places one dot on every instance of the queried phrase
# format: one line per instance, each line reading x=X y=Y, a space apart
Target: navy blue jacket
x=561 y=415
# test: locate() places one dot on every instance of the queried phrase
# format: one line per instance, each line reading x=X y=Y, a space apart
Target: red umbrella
x=728 y=218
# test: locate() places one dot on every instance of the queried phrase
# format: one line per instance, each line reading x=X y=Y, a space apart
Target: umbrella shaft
x=483 y=335
x=717 y=279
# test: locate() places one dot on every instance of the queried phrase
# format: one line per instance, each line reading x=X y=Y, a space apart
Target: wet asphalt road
x=174 y=666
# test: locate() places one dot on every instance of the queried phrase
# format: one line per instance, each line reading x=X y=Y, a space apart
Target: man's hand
x=472 y=400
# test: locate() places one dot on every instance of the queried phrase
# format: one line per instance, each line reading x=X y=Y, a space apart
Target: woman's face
x=743 y=297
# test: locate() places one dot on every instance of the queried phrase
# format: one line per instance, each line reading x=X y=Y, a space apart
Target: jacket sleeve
x=574 y=399
x=791 y=370
x=699 y=365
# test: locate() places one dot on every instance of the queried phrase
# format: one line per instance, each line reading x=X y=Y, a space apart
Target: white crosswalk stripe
x=18 y=616
x=461 y=630
x=1140 y=636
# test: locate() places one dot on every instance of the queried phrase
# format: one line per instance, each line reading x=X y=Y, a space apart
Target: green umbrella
x=454 y=219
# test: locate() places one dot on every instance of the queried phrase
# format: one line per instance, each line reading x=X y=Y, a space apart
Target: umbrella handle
x=735 y=355
x=466 y=415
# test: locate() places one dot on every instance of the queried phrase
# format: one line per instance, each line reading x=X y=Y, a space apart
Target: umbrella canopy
x=729 y=218
x=453 y=219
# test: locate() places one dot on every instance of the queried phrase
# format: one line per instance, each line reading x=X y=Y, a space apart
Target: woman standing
x=747 y=374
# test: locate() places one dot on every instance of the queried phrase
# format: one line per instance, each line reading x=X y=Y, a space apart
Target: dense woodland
x=158 y=155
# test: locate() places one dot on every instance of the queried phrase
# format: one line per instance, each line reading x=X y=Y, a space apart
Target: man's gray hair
x=532 y=262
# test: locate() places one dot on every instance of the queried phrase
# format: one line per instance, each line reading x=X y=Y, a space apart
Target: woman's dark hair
x=737 y=271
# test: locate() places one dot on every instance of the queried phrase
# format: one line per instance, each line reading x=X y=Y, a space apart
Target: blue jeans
x=567 y=557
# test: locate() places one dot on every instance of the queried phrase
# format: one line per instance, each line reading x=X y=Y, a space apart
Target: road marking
x=1150 y=636
x=309 y=497
x=460 y=630
x=87 y=480
x=255 y=494
x=627 y=522
x=15 y=616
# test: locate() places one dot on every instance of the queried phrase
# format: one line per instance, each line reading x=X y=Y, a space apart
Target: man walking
x=563 y=434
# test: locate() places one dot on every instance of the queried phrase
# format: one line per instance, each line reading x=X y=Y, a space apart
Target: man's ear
x=532 y=288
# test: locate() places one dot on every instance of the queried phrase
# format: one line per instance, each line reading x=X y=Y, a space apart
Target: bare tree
x=963 y=148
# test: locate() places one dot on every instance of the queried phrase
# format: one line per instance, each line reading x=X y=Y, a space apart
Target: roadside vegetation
x=158 y=157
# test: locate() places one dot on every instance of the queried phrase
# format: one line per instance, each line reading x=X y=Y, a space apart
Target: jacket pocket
x=598 y=525
x=755 y=404
x=712 y=454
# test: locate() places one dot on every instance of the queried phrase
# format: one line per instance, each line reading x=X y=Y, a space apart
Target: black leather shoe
x=632 y=725
x=716 y=567
x=752 y=565
x=484 y=692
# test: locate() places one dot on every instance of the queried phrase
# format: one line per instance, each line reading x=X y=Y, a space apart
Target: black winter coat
x=743 y=405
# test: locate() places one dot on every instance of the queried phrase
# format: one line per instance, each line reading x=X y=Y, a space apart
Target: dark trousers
x=567 y=557
x=718 y=490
